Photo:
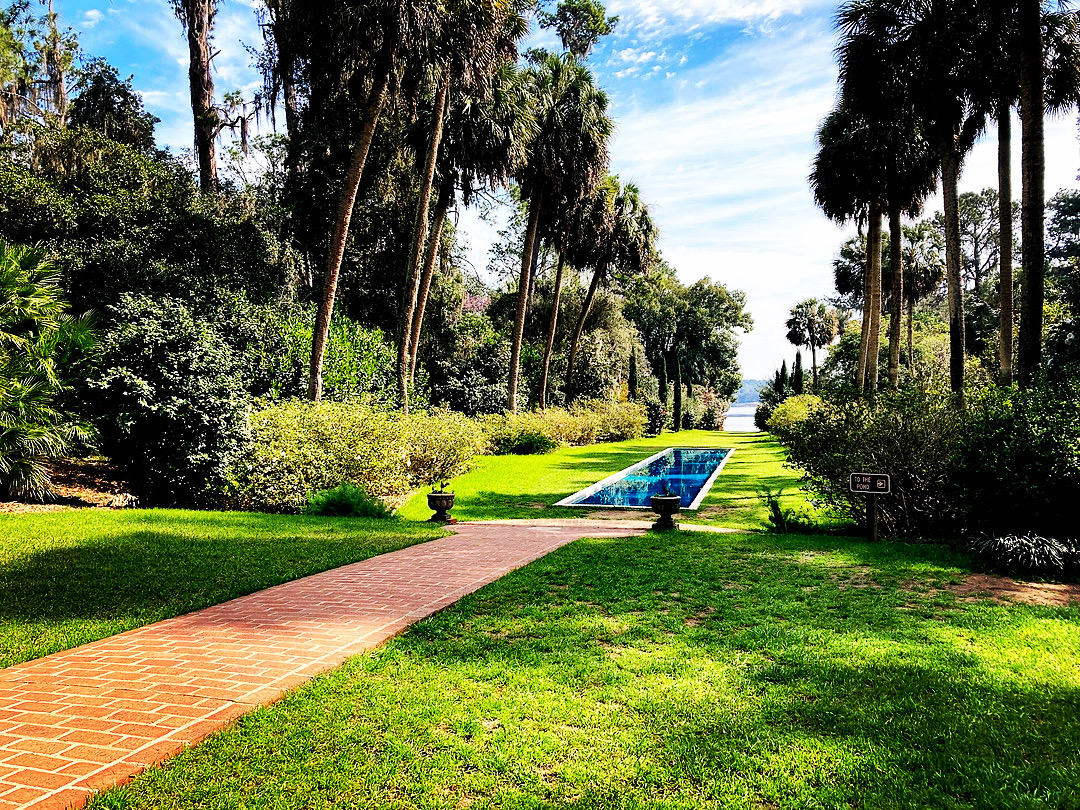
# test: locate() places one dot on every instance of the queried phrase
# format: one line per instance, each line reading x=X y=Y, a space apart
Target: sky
x=716 y=104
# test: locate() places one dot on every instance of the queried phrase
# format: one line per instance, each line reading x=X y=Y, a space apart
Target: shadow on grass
x=123 y=569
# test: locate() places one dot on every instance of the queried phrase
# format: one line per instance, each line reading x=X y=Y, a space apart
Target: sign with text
x=870 y=484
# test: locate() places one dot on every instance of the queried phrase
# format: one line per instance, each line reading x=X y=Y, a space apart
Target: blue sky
x=716 y=104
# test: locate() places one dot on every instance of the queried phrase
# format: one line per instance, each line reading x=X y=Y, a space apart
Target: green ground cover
x=677 y=671
x=527 y=486
x=67 y=578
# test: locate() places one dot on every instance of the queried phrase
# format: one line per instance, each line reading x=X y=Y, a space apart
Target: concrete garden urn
x=441 y=503
x=666 y=506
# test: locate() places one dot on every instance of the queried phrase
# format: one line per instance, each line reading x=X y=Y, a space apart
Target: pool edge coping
x=594 y=488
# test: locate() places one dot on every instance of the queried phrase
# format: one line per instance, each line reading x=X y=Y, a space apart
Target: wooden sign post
x=871 y=485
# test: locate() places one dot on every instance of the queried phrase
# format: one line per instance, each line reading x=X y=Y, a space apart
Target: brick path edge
x=92 y=717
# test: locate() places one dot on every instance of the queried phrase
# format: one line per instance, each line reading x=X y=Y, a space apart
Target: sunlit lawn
x=677 y=671
x=527 y=486
x=67 y=578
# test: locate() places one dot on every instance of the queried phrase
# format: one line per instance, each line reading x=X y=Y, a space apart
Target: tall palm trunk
x=873 y=348
x=1032 y=161
x=1005 y=241
x=676 y=382
x=376 y=102
x=864 y=331
x=813 y=363
x=896 y=303
x=950 y=177
x=430 y=257
x=198 y=19
x=911 y=331
x=523 y=297
x=416 y=248
x=550 y=345
x=594 y=285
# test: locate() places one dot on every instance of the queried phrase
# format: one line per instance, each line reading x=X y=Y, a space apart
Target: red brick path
x=88 y=718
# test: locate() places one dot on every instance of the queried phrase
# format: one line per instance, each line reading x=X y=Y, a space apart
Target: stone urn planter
x=441 y=503
x=666 y=506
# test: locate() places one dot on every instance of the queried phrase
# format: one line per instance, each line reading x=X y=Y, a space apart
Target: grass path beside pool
x=67 y=578
x=676 y=671
x=527 y=486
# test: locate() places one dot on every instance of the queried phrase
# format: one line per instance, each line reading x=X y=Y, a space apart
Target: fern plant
x=36 y=332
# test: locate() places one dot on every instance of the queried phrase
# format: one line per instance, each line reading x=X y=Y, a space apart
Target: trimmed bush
x=911 y=436
x=300 y=447
x=169 y=401
x=1017 y=467
x=345 y=500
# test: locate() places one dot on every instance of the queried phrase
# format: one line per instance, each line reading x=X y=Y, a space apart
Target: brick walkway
x=88 y=718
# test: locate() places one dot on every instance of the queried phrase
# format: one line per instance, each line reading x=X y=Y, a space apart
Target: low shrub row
x=583 y=423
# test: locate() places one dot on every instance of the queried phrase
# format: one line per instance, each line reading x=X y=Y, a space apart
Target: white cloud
x=91 y=18
x=656 y=18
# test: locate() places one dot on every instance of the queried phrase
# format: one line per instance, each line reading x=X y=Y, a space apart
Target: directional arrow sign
x=870 y=484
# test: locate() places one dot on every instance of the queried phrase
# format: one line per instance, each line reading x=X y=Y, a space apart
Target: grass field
x=67 y=578
x=527 y=486
x=677 y=671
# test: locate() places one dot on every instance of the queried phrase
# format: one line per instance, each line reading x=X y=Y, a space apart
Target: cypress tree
x=631 y=379
x=797 y=382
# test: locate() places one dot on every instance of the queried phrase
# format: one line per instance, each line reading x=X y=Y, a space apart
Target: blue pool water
x=686 y=472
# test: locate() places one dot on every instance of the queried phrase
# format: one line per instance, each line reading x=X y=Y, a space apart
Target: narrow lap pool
x=688 y=472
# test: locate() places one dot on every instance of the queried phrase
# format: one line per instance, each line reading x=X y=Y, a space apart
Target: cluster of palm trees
x=453 y=68
x=919 y=80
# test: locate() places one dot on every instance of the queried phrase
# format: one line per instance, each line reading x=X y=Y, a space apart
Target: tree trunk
x=594 y=285
x=677 y=391
x=552 y=325
x=813 y=363
x=896 y=304
x=198 y=19
x=661 y=380
x=1032 y=204
x=950 y=176
x=1005 y=240
x=864 y=332
x=432 y=254
x=676 y=382
x=523 y=297
x=911 y=333
x=416 y=247
x=376 y=102
x=873 y=297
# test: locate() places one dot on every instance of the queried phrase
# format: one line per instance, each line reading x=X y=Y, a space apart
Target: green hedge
x=300 y=447
x=584 y=423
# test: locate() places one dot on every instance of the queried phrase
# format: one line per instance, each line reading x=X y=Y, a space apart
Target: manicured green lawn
x=527 y=486
x=677 y=671
x=67 y=578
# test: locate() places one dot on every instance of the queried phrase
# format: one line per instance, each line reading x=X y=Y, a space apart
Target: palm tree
x=942 y=57
x=486 y=140
x=1061 y=67
x=873 y=82
x=567 y=159
x=846 y=188
x=472 y=43
x=626 y=243
x=811 y=324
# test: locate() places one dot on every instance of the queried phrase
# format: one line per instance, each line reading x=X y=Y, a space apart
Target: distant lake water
x=740 y=418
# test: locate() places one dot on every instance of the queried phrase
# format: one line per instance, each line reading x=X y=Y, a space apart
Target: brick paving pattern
x=88 y=718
